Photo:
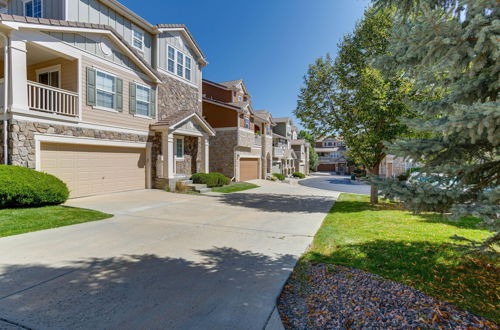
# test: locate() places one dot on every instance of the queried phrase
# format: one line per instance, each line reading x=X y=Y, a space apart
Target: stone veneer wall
x=246 y=138
x=221 y=155
x=174 y=96
x=155 y=138
x=192 y=162
x=22 y=138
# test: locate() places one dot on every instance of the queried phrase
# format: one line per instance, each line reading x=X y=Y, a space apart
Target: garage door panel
x=249 y=169
x=326 y=167
x=89 y=170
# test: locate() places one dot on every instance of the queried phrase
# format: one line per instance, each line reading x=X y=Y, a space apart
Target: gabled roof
x=173 y=119
x=210 y=82
x=283 y=120
x=185 y=31
x=68 y=25
x=231 y=84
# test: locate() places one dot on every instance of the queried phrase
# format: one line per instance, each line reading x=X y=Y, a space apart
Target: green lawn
x=408 y=248
x=24 y=220
x=240 y=186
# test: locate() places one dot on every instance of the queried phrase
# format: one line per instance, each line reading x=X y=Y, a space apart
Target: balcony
x=279 y=151
x=257 y=140
x=52 y=100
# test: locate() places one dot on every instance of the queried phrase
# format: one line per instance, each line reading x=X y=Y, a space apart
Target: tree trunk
x=373 y=194
x=373 y=188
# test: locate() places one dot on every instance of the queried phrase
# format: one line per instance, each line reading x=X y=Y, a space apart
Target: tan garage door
x=326 y=167
x=249 y=169
x=91 y=170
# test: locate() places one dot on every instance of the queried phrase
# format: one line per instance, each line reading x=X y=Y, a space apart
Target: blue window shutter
x=132 y=98
x=91 y=92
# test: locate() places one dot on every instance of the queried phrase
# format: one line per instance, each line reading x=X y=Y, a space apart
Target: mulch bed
x=323 y=296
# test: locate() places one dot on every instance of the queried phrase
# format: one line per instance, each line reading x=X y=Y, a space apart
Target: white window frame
x=245 y=121
x=177 y=63
x=41 y=7
x=100 y=107
x=175 y=150
x=137 y=100
x=171 y=59
x=141 y=32
x=50 y=69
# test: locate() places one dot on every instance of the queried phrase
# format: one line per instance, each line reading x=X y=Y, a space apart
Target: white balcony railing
x=257 y=140
x=278 y=151
x=50 y=99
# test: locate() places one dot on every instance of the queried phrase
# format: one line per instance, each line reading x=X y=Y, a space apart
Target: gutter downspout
x=6 y=43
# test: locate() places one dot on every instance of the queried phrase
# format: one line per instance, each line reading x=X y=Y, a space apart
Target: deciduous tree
x=351 y=98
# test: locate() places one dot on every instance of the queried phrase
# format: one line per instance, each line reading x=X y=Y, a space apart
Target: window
x=187 y=70
x=105 y=90
x=143 y=100
x=179 y=63
x=179 y=148
x=49 y=76
x=171 y=59
x=138 y=38
x=247 y=123
x=33 y=8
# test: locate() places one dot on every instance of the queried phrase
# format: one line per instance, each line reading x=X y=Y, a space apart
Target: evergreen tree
x=349 y=97
x=451 y=47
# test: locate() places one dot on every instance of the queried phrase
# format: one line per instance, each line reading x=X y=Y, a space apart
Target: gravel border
x=323 y=296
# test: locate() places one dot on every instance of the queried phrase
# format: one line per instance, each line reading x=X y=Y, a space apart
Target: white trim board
x=54 y=138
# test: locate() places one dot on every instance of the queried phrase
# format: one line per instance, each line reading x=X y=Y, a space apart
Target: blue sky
x=268 y=43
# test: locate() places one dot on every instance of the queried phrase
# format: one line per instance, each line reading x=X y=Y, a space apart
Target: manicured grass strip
x=24 y=220
x=240 y=186
x=412 y=249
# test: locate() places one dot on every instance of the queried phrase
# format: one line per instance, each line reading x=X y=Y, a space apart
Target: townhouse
x=284 y=156
x=242 y=146
x=98 y=96
x=331 y=157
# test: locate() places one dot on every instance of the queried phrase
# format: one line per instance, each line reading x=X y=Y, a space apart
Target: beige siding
x=68 y=72
x=103 y=117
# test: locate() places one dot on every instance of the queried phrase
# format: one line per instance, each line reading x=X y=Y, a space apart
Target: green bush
x=24 y=187
x=298 y=175
x=213 y=179
x=279 y=176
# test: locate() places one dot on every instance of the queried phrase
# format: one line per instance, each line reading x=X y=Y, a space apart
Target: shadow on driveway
x=222 y=291
x=279 y=202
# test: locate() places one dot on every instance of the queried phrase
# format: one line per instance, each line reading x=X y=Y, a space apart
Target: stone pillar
x=18 y=91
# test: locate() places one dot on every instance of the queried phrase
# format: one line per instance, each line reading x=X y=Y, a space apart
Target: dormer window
x=33 y=8
x=138 y=38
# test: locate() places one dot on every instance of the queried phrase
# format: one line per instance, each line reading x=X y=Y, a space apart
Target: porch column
x=206 y=151
x=18 y=91
x=170 y=156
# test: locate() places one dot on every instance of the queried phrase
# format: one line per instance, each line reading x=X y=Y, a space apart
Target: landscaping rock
x=323 y=296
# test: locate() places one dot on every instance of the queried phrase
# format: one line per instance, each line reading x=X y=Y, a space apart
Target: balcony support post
x=18 y=91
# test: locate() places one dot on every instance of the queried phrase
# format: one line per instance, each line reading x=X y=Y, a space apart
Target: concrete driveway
x=164 y=261
x=333 y=182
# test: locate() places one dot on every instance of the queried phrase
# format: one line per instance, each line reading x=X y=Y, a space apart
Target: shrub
x=213 y=179
x=279 y=176
x=298 y=175
x=24 y=187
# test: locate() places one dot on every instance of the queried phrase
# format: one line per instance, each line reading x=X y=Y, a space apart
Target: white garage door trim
x=95 y=142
